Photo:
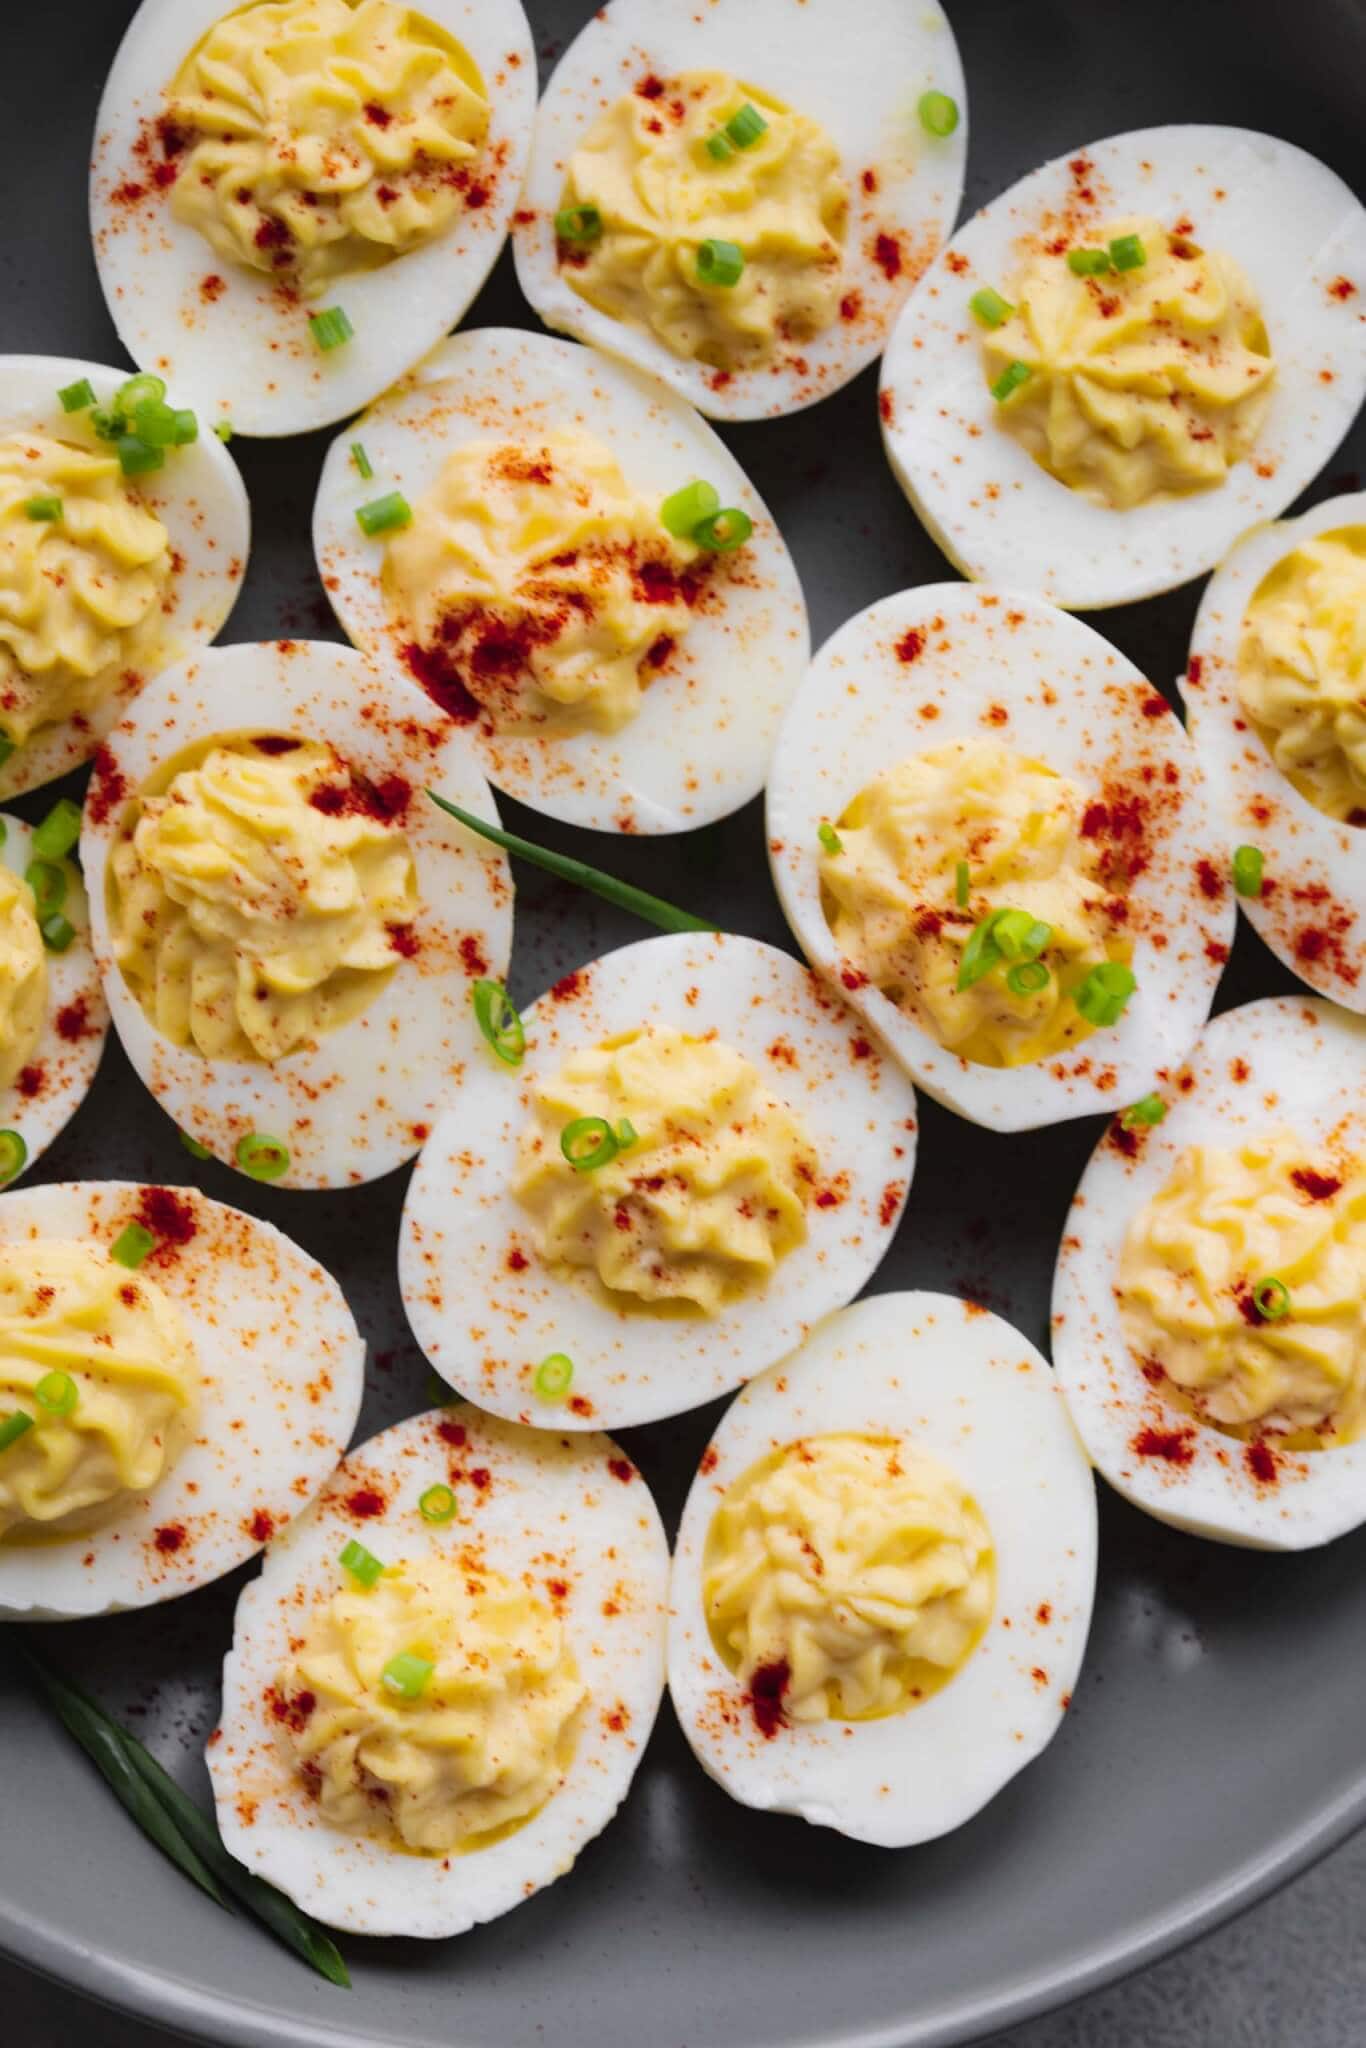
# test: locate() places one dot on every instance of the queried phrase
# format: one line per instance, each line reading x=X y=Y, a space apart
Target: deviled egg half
x=1128 y=359
x=177 y=1380
x=884 y=1573
x=287 y=928
x=293 y=200
x=119 y=553
x=738 y=197
x=1275 y=694
x=992 y=834
x=577 y=571
x=1209 y=1309
x=442 y=1682
x=678 y=1161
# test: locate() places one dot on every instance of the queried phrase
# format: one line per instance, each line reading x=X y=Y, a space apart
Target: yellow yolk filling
x=250 y=909
x=857 y=1572
x=645 y=167
x=324 y=137
x=70 y=1309
x=1193 y=1259
x=891 y=896
x=484 y=1745
x=81 y=595
x=535 y=575
x=1145 y=383
x=1302 y=670
x=23 y=976
x=705 y=1200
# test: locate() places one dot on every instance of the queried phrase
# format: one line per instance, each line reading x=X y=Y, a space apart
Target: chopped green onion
x=261 y=1157
x=1272 y=1298
x=553 y=1376
x=980 y=954
x=164 y=426
x=59 y=831
x=141 y=389
x=107 y=422
x=687 y=508
x=718 y=147
x=723 y=531
x=499 y=1022
x=76 y=397
x=1021 y=936
x=43 y=508
x=361 y=460
x=137 y=457
x=407 y=1674
x=627 y=1134
x=1088 y=262
x=437 y=1504
x=1248 y=862
x=720 y=263
x=653 y=909
x=330 y=328
x=223 y=429
x=6 y=749
x=361 y=1563
x=989 y=307
x=132 y=1245
x=1150 y=1109
x=381 y=515
x=938 y=113
x=13 y=1427
x=829 y=837
x=4 y=828
x=13 y=1156
x=1128 y=253
x=48 y=883
x=57 y=1392
x=1103 y=995
x=1027 y=977
x=962 y=884
x=193 y=1146
x=1011 y=378
x=58 y=932
x=579 y=224
x=745 y=128
x=602 y=1146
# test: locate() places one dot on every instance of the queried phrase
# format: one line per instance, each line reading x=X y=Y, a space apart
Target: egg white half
x=282 y=1367
x=572 y=1519
x=485 y=1323
x=699 y=746
x=364 y=1098
x=1294 y=227
x=962 y=1385
x=1282 y=1059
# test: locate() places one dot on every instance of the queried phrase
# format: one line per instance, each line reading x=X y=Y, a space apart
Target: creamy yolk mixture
x=701 y=1205
x=483 y=1746
x=537 y=580
x=23 y=976
x=645 y=167
x=313 y=137
x=81 y=595
x=1144 y=383
x=1193 y=1260
x=891 y=896
x=847 y=1577
x=255 y=900
x=1302 y=670
x=69 y=1309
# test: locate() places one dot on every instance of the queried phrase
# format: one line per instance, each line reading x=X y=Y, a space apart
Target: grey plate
x=1214 y=1747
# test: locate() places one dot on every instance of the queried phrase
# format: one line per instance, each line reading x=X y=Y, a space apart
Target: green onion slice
x=144 y=388
x=745 y=128
x=1248 y=863
x=1011 y=378
x=407 y=1675
x=361 y=1563
x=59 y=831
x=1150 y=1109
x=262 y=1157
x=132 y=1245
x=223 y=429
x=437 y=1504
x=13 y=1156
x=829 y=837
x=719 y=147
x=980 y=954
x=361 y=460
x=720 y=263
x=1128 y=253
x=962 y=884
x=382 y=515
x=13 y=1427
x=499 y=1021
x=49 y=884
x=579 y=224
x=164 y=426
x=627 y=1134
x=136 y=456
x=553 y=1376
x=58 y=932
x=1088 y=262
x=6 y=749
x=49 y=508
x=685 y=509
x=722 y=531
x=1272 y=1298
x=193 y=1146
x=1103 y=996
x=989 y=307
x=57 y=1392
x=588 y=1143
x=1021 y=936
x=1027 y=977
x=938 y=113
x=76 y=397
x=330 y=328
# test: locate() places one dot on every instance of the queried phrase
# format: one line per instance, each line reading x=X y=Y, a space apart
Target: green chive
x=6 y=749
x=687 y=508
x=938 y=113
x=553 y=1376
x=262 y=1157
x=138 y=457
x=143 y=389
x=829 y=838
x=989 y=307
x=1272 y=1299
x=499 y=1022
x=43 y=508
x=720 y=263
x=407 y=1675
x=57 y=1392
x=59 y=831
x=1103 y=995
x=49 y=885
x=365 y=1568
x=330 y=328
x=13 y=1427
x=1027 y=978
x=962 y=884
x=627 y=1134
x=745 y=128
x=382 y=515
x=107 y=422
x=579 y=224
x=437 y=1504
x=132 y=1245
x=1149 y=1109
x=718 y=147
x=1088 y=262
x=361 y=460
x=721 y=532
x=76 y=397
x=58 y=932
x=588 y=1143
x=653 y=909
x=1248 y=863
x=1021 y=936
x=193 y=1146
x=164 y=426
x=1128 y=253
x=1011 y=378
x=13 y=1156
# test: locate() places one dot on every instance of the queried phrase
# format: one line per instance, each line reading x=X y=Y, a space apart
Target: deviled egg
x=1128 y=359
x=177 y=1380
x=991 y=833
x=287 y=928
x=119 y=554
x=1275 y=694
x=738 y=197
x=884 y=1573
x=688 y=1155
x=441 y=1684
x=293 y=200
x=577 y=570
x=1209 y=1310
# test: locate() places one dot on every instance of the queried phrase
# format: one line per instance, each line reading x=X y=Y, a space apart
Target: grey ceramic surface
x=1215 y=1744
